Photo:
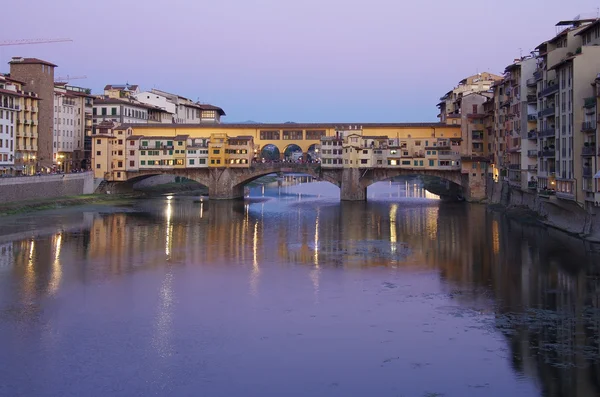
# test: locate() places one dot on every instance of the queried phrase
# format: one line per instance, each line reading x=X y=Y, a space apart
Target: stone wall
x=564 y=215
x=46 y=186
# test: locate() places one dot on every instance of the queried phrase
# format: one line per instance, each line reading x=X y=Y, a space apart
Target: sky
x=282 y=60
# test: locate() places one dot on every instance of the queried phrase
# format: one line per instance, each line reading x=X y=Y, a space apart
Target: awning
x=597 y=176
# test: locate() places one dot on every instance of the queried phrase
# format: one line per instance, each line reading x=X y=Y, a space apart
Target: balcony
x=548 y=132
x=549 y=111
x=538 y=75
x=588 y=126
x=532 y=168
x=548 y=153
x=532 y=134
x=551 y=89
x=532 y=153
x=587 y=172
x=589 y=102
x=531 y=98
x=477 y=137
x=532 y=185
x=589 y=150
x=531 y=82
x=532 y=117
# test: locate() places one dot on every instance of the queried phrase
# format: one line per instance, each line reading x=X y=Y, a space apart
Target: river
x=292 y=293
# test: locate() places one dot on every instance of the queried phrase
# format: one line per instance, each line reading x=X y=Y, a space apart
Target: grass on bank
x=26 y=206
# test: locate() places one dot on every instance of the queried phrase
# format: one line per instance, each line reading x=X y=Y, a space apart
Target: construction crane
x=69 y=78
x=32 y=41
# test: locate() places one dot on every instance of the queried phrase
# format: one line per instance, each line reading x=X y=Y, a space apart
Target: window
x=98 y=141
x=363 y=161
x=143 y=153
x=292 y=135
x=132 y=152
x=269 y=135
x=170 y=152
x=365 y=152
x=104 y=111
x=179 y=162
x=315 y=134
x=143 y=162
x=216 y=151
x=120 y=164
x=132 y=163
x=201 y=161
x=212 y=161
x=431 y=162
x=191 y=161
x=475 y=109
x=144 y=143
x=180 y=143
x=113 y=111
x=97 y=166
x=98 y=153
x=131 y=143
x=416 y=162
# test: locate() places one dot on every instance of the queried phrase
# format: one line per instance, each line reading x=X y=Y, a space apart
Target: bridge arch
x=270 y=152
x=290 y=149
x=260 y=170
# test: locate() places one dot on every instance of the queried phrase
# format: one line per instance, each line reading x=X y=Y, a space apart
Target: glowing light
x=169 y=197
x=495 y=237
x=201 y=210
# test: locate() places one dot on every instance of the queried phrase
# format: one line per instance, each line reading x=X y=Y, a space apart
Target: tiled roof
x=283 y=126
x=30 y=61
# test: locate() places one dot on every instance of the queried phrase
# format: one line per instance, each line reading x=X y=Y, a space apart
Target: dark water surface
x=293 y=293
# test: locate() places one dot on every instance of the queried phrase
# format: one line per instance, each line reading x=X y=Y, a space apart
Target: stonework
x=46 y=186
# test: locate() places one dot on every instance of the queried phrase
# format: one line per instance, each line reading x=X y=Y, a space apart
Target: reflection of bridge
x=228 y=183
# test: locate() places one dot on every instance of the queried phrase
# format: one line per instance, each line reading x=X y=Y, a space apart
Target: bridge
x=228 y=183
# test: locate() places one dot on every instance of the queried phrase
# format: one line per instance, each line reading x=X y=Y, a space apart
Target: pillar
x=351 y=188
x=223 y=184
x=474 y=184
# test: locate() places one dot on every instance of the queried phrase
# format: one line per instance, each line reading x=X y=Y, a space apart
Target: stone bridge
x=228 y=183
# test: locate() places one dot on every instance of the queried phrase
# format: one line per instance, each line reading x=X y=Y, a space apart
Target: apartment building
x=64 y=133
x=183 y=110
x=35 y=138
x=590 y=152
x=514 y=138
x=84 y=103
x=9 y=110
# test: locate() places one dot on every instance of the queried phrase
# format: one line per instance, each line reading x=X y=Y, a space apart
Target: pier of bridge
x=228 y=183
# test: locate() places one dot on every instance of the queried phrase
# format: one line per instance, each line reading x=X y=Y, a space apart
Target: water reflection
x=540 y=288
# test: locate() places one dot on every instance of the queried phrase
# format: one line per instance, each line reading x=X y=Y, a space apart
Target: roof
x=206 y=106
x=134 y=137
x=512 y=66
x=283 y=126
x=9 y=92
x=30 y=61
x=117 y=101
x=181 y=137
x=588 y=27
x=121 y=87
x=7 y=77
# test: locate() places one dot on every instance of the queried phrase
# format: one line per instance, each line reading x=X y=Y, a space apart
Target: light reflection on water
x=294 y=293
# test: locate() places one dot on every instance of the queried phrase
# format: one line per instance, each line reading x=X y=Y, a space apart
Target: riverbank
x=28 y=206
x=529 y=207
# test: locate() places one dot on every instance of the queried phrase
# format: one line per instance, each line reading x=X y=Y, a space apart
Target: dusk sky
x=278 y=60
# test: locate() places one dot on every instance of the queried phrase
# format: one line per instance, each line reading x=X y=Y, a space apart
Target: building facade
x=37 y=137
x=9 y=108
x=183 y=110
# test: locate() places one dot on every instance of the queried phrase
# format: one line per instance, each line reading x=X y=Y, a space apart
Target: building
x=590 y=151
x=9 y=111
x=84 y=103
x=65 y=124
x=36 y=134
x=183 y=110
x=514 y=137
x=121 y=91
x=122 y=111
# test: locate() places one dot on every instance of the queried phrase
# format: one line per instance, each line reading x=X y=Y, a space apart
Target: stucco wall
x=47 y=186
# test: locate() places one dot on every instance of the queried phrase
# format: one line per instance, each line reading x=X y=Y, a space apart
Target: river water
x=292 y=293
